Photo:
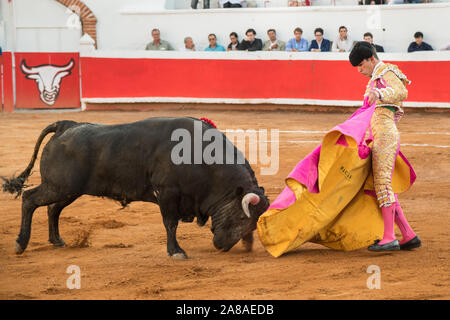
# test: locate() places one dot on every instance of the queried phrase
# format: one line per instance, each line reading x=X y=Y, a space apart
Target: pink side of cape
x=306 y=171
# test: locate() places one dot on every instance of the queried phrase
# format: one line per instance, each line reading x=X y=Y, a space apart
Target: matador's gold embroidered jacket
x=391 y=85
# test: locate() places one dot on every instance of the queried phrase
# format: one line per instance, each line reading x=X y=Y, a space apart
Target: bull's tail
x=17 y=184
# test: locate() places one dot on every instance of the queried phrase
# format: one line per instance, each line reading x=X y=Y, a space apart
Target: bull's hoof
x=179 y=256
x=58 y=244
x=18 y=248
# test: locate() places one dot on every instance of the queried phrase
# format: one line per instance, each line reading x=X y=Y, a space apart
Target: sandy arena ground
x=122 y=253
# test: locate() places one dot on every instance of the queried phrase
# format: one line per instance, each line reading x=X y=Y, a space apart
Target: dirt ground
x=122 y=253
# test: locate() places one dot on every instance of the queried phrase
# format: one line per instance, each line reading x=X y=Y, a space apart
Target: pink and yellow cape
x=329 y=196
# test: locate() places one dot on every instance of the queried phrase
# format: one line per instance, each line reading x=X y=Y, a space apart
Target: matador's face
x=366 y=66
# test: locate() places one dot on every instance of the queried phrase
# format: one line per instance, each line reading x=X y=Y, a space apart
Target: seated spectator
x=234 y=42
x=418 y=44
x=231 y=3
x=343 y=43
x=194 y=4
x=273 y=44
x=157 y=43
x=297 y=43
x=213 y=46
x=188 y=44
x=369 y=38
x=250 y=43
x=319 y=44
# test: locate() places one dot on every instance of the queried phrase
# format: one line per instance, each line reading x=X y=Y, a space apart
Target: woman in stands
x=234 y=42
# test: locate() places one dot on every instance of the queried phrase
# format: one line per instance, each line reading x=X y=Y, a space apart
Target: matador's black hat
x=361 y=50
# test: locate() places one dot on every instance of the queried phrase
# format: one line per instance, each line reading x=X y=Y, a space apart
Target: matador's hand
x=373 y=96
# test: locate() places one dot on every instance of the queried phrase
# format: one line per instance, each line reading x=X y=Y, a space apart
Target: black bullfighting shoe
x=411 y=244
x=390 y=246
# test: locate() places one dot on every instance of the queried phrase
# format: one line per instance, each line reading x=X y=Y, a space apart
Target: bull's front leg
x=247 y=241
x=173 y=248
x=170 y=216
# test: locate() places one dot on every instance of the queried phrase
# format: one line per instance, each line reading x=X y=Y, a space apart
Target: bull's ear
x=239 y=191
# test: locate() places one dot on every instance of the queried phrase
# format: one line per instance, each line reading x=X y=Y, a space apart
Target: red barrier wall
x=249 y=79
x=124 y=79
x=8 y=88
x=47 y=80
x=1 y=84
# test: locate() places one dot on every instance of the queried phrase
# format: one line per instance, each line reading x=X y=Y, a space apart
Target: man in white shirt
x=273 y=44
x=343 y=43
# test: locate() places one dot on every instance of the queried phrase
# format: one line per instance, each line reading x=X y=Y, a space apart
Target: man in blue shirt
x=418 y=44
x=213 y=46
x=297 y=43
x=319 y=44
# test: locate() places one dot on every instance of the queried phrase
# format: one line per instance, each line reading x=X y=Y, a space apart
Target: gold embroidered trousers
x=386 y=142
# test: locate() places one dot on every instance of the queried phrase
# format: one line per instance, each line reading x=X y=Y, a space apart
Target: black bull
x=132 y=162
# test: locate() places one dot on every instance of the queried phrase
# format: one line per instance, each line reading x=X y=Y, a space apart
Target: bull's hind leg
x=54 y=210
x=31 y=200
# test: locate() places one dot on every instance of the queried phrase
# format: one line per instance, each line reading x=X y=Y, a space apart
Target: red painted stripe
x=247 y=79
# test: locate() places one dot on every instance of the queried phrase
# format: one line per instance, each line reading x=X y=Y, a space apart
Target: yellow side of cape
x=341 y=216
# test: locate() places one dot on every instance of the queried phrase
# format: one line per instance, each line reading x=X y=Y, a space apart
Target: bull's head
x=237 y=218
x=48 y=79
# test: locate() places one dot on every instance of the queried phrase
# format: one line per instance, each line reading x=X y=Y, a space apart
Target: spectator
x=250 y=43
x=374 y=2
x=446 y=48
x=319 y=44
x=418 y=44
x=188 y=44
x=234 y=42
x=231 y=3
x=157 y=43
x=194 y=4
x=369 y=38
x=213 y=46
x=343 y=43
x=273 y=44
x=297 y=43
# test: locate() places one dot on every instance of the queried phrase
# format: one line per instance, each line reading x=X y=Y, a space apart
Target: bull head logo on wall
x=48 y=79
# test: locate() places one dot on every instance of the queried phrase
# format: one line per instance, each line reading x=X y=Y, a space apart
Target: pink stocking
x=402 y=223
x=388 y=219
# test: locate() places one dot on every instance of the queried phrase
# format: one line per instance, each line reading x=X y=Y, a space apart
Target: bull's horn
x=67 y=66
x=26 y=69
x=252 y=198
